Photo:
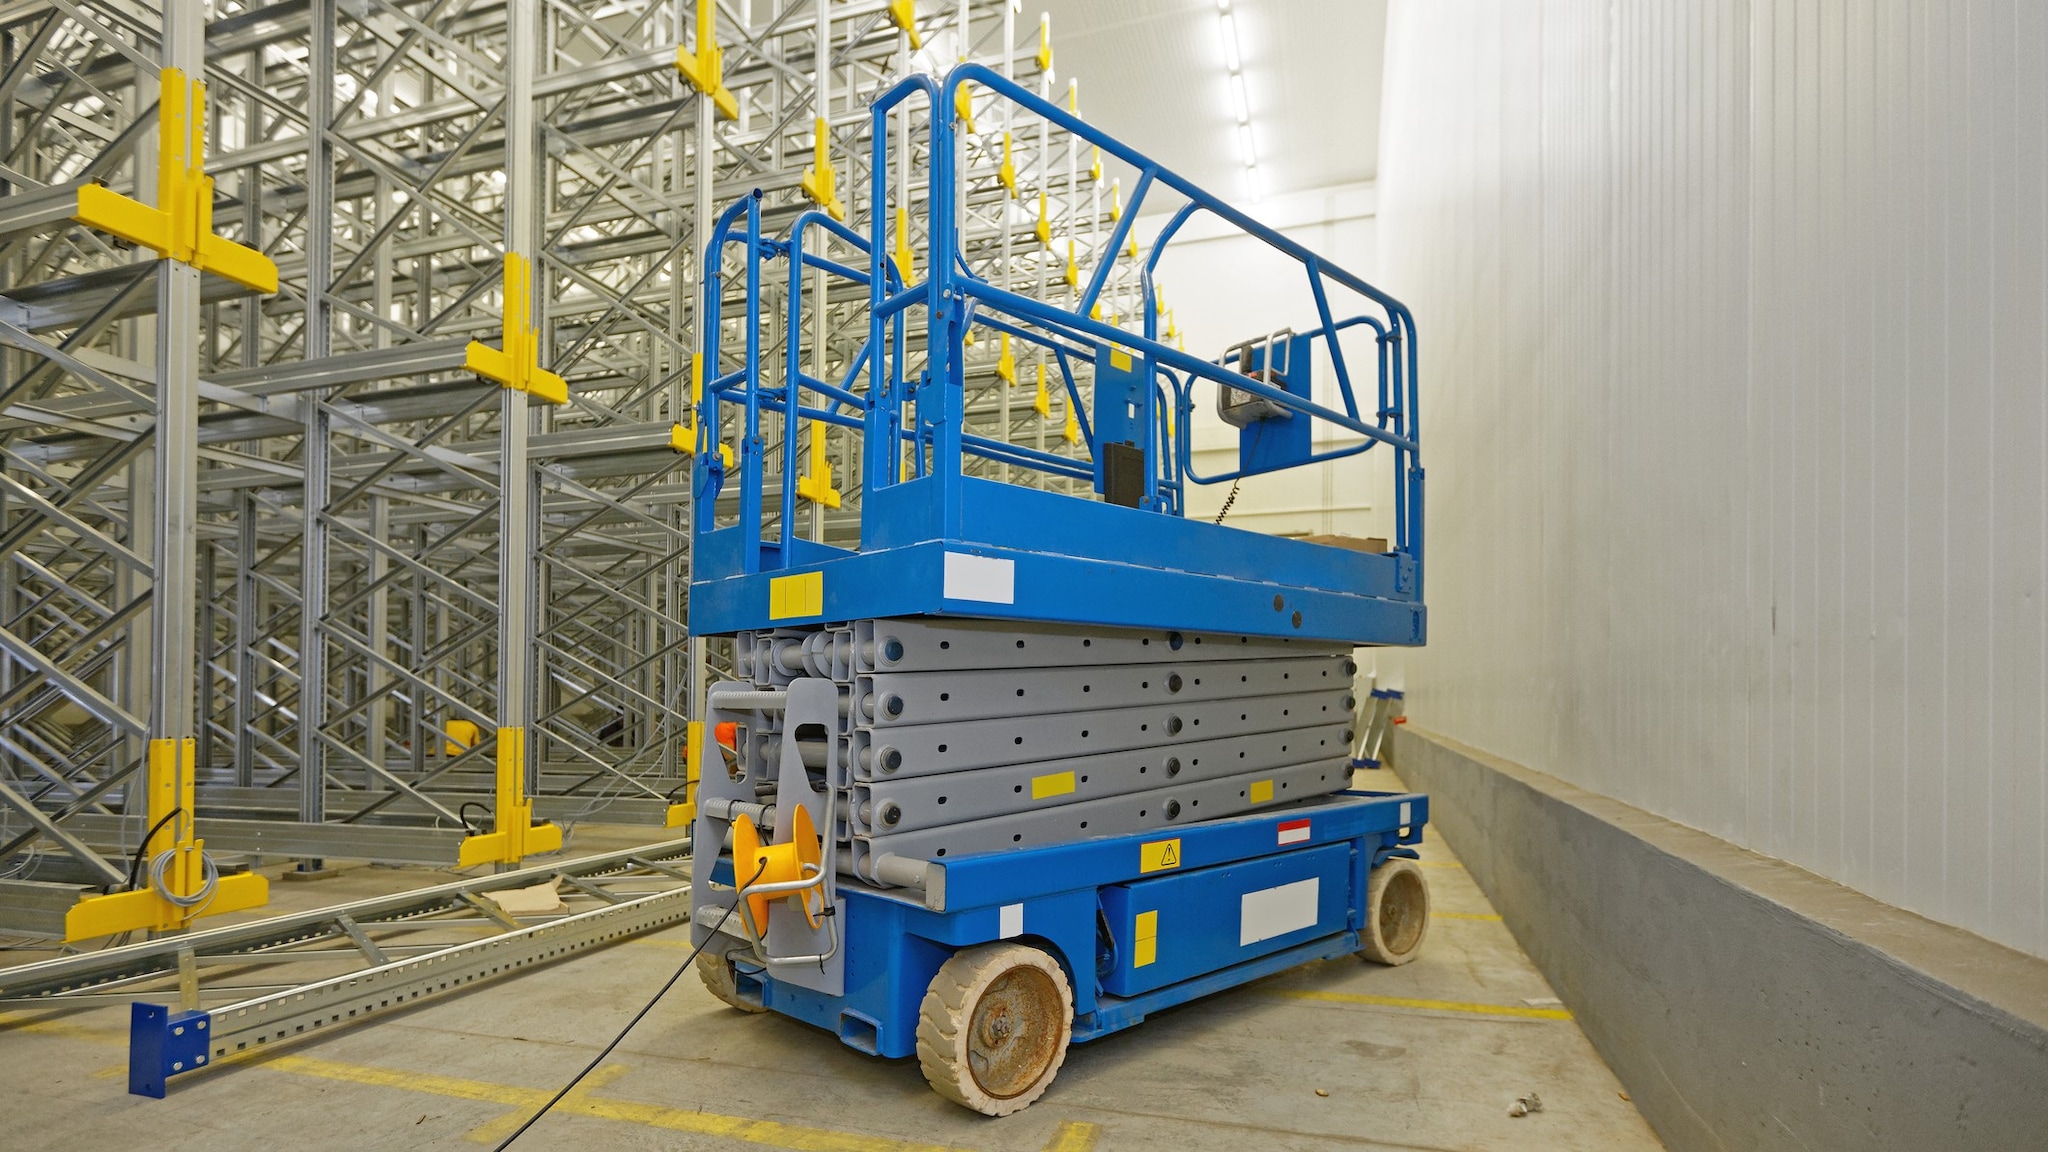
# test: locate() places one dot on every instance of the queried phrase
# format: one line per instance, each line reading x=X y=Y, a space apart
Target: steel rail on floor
x=621 y=894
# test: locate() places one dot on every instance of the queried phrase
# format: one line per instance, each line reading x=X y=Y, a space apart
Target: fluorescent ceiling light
x=1233 y=64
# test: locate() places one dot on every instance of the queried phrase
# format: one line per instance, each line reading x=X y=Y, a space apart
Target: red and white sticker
x=1294 y=832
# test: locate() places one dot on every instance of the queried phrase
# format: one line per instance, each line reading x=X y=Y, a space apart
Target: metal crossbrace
x=385 y=559
x=1379 y=710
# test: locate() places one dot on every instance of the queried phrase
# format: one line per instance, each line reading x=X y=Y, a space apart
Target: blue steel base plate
x=1030 y=555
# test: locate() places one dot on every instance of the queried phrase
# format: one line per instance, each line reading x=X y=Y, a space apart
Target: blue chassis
x=895 y=945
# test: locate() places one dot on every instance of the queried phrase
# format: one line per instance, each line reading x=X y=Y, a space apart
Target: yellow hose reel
x=774 y=864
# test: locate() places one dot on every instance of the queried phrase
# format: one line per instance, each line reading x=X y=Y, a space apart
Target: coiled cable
x=159 y=864
x=209 y=878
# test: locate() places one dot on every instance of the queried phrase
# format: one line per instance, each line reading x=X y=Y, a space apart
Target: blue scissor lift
x=1020 y=767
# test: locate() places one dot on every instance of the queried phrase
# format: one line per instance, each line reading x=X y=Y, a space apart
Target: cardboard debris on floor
x=539 y=900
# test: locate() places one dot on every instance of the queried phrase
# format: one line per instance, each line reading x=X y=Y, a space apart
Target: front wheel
x=722 y=981
x=1397 y=912
x=994 y=1027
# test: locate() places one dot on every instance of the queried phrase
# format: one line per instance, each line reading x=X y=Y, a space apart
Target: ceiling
x=1152 y=73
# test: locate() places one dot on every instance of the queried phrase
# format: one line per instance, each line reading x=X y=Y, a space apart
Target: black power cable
x=637 y=1017
x=1232 y=498
x=135 y=868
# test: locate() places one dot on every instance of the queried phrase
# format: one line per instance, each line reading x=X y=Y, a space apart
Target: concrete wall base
x=1746 y=1003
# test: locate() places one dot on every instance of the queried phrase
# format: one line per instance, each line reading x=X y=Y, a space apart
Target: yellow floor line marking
x=768 y=1132
x=23 y=1022
x=1074 y=1136
x=492 y=1131
x=1493 y=916
x=1071 y=1136
x=1425 y=1005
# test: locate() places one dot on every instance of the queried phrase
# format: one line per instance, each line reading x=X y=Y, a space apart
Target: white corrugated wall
x=1734 y=325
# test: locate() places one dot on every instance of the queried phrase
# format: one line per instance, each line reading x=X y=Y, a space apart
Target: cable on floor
x=637 y=1017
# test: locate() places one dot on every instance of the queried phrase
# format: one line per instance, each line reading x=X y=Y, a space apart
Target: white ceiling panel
x=1152 y=72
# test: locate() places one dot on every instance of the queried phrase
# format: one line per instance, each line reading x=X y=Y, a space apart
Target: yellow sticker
x=1055 y=784
x=1159 y=855
x=1119 y=359
x=1145 y=939
x=1262 y=791
x=799 y=595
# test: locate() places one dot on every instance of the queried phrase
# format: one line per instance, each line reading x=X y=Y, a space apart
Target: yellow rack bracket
x=1072 y=431
x=903 y=14
x=515 y=836
x=905 y=259
x=963 y=107
x=1116 y=197
x=1042 y=402
x=1044 y=43
x=683 y=437
x=1044 y=228
x=680 y=815
x=1008 y=172
x=518 y=364
x=462 y=735
x=169 y=788
x=705 y=69
x=816 y=485
x=819 y=181
x=180 y=227
x=1073 y=273
x=684 y=440
x=1095 y=169
x=1006 y=364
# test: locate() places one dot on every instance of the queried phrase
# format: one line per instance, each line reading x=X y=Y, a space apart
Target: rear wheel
x=1397 y=912
x=721 y=981
x=994 y=1027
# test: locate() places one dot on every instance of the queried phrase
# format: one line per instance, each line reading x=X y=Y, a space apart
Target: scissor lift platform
x=1021 y=553
x=1023 y=766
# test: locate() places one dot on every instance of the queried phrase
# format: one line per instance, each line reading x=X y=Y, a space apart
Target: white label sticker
x=1012 y=921
x=987 y=579
x=1404 y=813
x=1272 y=912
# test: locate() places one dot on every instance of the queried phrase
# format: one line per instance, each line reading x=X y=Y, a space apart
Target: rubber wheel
x=1397 y=919
x=717 y=973
x=994 y=1027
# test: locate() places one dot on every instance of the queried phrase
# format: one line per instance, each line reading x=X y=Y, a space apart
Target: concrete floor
x=1428 y=1056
